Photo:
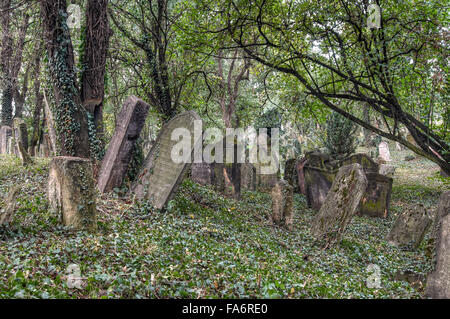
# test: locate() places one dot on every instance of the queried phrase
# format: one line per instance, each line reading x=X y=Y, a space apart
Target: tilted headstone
x=161 y=175
x=410 y=228
x=438 y=282
x=383 y=150
x=11 y=201
x=388 y=170
x=377 y=197
x=71 y=192
x=130 y=122
x=5 y=133
x=282 y=204
x=340 y=204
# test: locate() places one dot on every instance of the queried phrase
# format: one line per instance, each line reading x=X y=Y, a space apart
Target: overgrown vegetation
x=204 y=245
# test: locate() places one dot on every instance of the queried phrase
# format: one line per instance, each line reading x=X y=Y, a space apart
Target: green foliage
x=341 y=139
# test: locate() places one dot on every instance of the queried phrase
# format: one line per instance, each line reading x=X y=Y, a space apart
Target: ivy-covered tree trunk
x=69 y=114
x=93 y=57
x=6 y=83
x=38 y=102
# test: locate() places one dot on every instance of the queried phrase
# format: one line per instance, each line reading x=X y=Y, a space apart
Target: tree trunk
x=71 y=119
x=37 y=106
x=5 y=63
x=94 y=63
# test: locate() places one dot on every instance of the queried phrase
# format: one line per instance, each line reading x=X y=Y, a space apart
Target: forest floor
x=206 y=246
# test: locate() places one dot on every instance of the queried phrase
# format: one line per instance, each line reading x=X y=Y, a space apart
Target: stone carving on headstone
x=5 y=133
x=282 y=204
x=377 y=197
x=383 y=150
x=438 y=283
x=130 y=122
x=340 y=204
x=410 y=228
x=161 y=174
x=71 y=192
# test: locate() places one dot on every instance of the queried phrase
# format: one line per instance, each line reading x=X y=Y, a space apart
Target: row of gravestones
x=314 y=174
x=342 y=202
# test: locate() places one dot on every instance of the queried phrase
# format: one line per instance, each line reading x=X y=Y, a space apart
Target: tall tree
x=5 y=63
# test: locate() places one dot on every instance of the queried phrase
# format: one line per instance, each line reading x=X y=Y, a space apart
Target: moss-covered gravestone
x=11 y=201
x=438 y=283
x=115 y=163
x=163 y=170
x=410 y=228
x=71 y=192
x=282 y=204
x=248 y=176
x=377 y=197
x=290 y=173
x=5 y=133
x=20 y=133
x=340 y=204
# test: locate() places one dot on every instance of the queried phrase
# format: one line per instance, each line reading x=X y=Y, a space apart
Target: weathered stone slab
x=282 y=204
x=20 y=133
x=290 y=174
x=130 y=122
x=202 y=173
x=161 y=175
x=410 y=228
x=71 y=192
x=383 y=150
x=248 y=176
x=438 y=283
x=369 y=166
x=340 y=204
x=377 y=197
x=301 y=175
x=11 y=201
x=387 y=170
x=5 y=133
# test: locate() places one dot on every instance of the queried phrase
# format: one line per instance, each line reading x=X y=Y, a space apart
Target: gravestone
x=290 y=174
x=71 y=192
x=130 y=122
x=387 y=170
x=248 y=176
x=369 y=166
x=161 y=175
x=11 y=201
x=319 y=175
x=5 y=133
x=340 y=204
x=398 y=146
x=410 y=228
x=20 y=133
x=202 y=173
x=438 y=283
x=301 y=175
x=282 y=204
x=377 y=197
x=383 y=150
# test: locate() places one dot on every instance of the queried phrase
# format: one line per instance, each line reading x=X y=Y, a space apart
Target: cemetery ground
x=207 y=245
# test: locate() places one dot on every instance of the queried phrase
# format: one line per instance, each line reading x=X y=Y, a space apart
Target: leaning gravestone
x=130 y=122
x=71 y=192
x=161 y=175
x=282 y=204
x=5 y=133
x=383 y=150
x=410 y=228
x=438 y=283
x=340 y=204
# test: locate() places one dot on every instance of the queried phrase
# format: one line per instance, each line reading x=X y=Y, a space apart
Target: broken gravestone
x=71 y=192
x=410 y=228
x=5 y=133
x=383 y=150
x=161 y=173
x=438 y=283
x=10 y=204
x=340 y=204
x=115 y=163
x=282 y=204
